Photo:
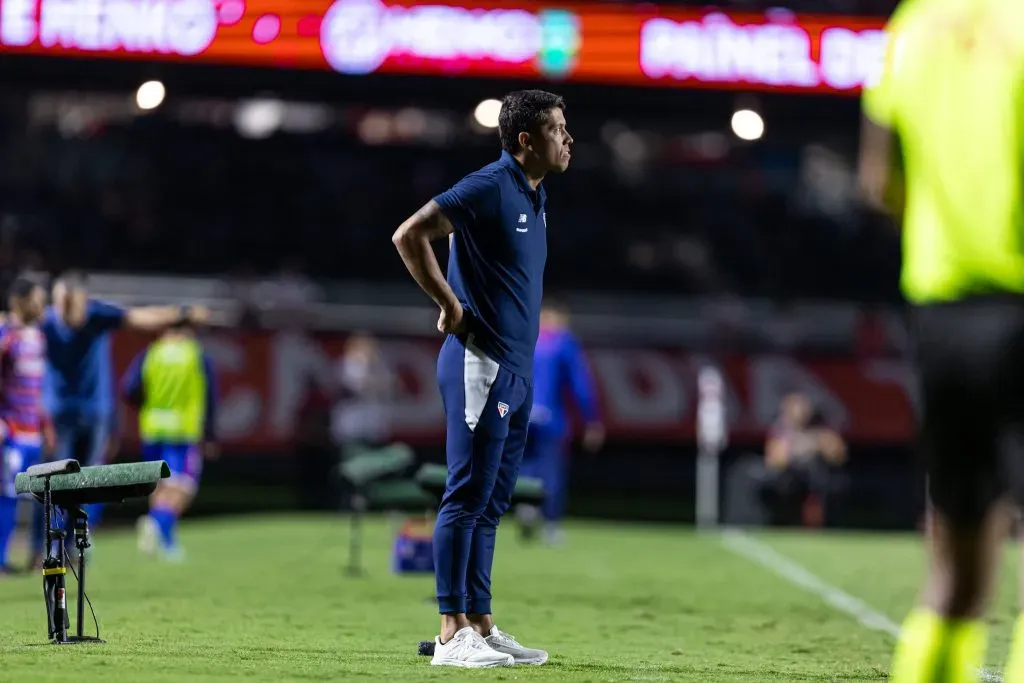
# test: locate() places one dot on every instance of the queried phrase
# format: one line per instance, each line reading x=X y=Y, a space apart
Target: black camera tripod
x=54 y=572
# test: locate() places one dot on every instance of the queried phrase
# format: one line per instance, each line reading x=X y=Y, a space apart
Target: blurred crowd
x=646 y=208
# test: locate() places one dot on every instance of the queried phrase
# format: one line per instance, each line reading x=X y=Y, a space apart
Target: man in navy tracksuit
x=490 y=311
x=559 y=370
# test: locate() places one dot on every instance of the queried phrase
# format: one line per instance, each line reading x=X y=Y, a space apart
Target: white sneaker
x=504 y=643
x=147 y=532
x=554 y=536
x=174 y=555
x=468 y=650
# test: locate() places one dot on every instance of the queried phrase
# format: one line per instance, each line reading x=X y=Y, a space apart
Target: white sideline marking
x=766 y=556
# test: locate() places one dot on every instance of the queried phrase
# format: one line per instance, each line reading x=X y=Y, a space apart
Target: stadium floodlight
x=748 y=125
x=258 y=119
x=150 y=95
x=65 y=484
x=486 y=113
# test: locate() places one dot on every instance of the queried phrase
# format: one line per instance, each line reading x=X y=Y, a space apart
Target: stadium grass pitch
x=266 y=599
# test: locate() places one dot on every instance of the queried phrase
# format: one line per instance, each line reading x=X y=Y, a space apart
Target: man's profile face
x=70 y=304
x=552 y=143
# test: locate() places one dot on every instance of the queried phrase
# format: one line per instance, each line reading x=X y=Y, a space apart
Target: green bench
x=381 y=479
x=434 y=477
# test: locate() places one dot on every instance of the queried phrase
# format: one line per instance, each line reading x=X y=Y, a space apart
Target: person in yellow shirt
x=173 y=385
x=950 y=101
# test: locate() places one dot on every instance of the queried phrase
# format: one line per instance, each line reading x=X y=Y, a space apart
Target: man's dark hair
x=74 y=280
x=523 y=111
x=22 y=286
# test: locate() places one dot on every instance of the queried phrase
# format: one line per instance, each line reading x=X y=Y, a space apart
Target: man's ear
x=524 y=140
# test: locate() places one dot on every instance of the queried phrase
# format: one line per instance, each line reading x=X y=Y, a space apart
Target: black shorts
x=970 y=357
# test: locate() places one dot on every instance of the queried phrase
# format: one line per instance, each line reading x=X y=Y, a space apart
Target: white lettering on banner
x=296 y=360
x=644 y=392
x=641 y=388
x=715 y=50
x=182 y=27
x=17 y=22
x=851 y=59
x=357 y=36
x=771 y=377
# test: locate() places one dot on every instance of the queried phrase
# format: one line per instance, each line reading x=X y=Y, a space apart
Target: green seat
x=434 y=478
x=398 y=494
x=376 y=481
x=368 y=465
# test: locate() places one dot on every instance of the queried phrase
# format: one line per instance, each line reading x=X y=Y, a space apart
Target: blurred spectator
x=141 y=193
x=803 y=461
x=362 y=412
x=285 y=298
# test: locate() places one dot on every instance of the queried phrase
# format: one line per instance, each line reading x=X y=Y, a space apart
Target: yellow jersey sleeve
x=880 y=97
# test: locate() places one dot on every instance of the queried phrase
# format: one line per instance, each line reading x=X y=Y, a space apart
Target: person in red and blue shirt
x=560 y=372
x=25 y=427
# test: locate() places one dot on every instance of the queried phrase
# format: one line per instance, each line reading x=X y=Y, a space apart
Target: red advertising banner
x=646 y=394
x=643 y=45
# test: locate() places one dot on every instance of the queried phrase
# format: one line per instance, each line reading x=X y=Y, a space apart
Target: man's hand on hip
x=452 y=319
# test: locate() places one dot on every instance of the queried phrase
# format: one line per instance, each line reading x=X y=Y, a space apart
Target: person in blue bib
x=79 y=385
x=173 y=386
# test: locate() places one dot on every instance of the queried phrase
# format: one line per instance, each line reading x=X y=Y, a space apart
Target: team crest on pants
x=502 y=408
